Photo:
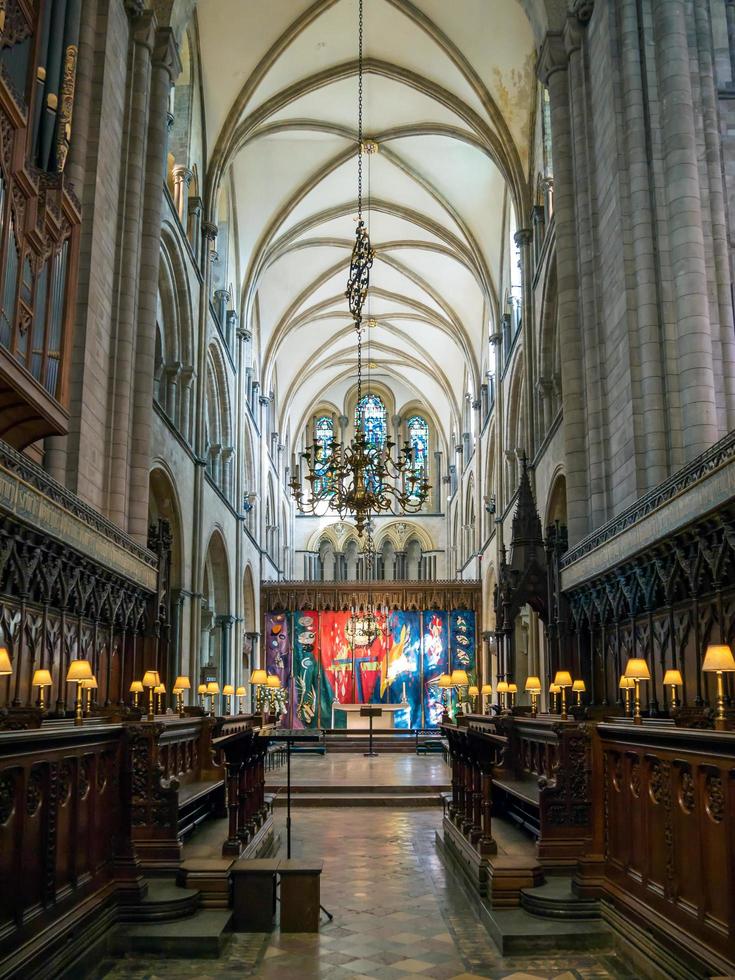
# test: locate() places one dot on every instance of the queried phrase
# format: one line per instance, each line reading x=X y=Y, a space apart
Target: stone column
x=184 y=419
x=221 y=299
x=182 y=176
x=143 y=34
x=164 y=69
x=225 y=624
x=554 y=72
x=437 y=488
x=226 y=457
x=524 y=239
x=172 y=372
x=194 y=228
x=684 y=207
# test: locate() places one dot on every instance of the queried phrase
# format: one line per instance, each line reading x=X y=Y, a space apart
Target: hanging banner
x=335 y=655
x=462 y=643
x=401 y=681
x=369 y=663
x=305 y=683
x=435 y=662
x=278 y=650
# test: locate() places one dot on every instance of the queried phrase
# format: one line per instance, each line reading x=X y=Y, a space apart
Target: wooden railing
x=663 y=847
x=65 y=851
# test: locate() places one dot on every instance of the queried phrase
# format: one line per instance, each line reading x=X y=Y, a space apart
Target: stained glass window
x=323 y=438
x=418 y=437
x=371 y=410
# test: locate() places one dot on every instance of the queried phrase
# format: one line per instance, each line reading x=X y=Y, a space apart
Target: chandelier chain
x=359 y=110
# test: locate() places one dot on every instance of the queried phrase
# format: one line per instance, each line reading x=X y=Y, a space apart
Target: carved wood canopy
x=331 y=596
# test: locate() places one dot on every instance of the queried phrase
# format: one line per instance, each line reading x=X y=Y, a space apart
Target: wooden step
x=165 y=901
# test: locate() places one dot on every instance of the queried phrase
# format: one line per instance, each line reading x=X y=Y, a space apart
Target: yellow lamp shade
x=258 y=677
x=444 y=681
x=151 y=678
x=473 y=691
x=486 y=689
x=79 y=670
x=136 y=687
x=637 y=668
x=718 y=658
x=5 y=665
x=240 y=692
x=512 y=689
x=533 y=684
x=579 y=686
x=159 y=689
x=273 y=681
x=91 y=683
x=460 y=678
x=563 y=678
x=42 y=678
x=202 y=689
x=502 y=687
x=673 y=678
x=228 y=689
x=213 y=687
x=554 y=689
x=182 y=684
x=626 y=682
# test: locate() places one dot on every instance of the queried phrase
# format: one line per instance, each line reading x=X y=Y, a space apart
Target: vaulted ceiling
x=449 y=97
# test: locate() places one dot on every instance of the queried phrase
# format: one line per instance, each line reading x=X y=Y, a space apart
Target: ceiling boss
x=361 y=478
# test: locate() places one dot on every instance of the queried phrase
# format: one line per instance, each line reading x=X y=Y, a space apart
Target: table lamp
x=136 y=689
x=502 y=690
x=579 y=689
x=512 y=691
x=473 y=691
x=533 y=686
x=719 y=660
x=637 y=670
x=88 y=686
x=258 y=679
x=273 y=683
x=150 y=681
x=486 y=691
x=182 y=684
x=554 y=691
x=444 y=682
x=626 y=685
x=202 y=692
x=240 y=694
x=79 y=670
x=41 y=680
x=212 y=691
x=228 y=690
x=673 y=679
x=159 y=690
x=6 y=667
x=563 y=680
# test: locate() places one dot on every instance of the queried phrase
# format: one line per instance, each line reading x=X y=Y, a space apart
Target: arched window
x=323 y=439
x=418 y=437
x=370 y=413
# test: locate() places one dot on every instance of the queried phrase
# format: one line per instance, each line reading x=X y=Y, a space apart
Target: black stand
x=369 y=711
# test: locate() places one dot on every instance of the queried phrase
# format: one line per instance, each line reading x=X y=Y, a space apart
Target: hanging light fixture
x=360 y=478
x=365 y=624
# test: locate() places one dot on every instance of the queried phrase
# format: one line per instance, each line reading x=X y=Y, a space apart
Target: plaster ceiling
x=449 y=95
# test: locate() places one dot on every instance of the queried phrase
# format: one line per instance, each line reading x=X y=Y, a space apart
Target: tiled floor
x=348 y=769
x=397 y=913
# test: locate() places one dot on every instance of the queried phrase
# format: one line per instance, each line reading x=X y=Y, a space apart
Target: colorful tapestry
x=335 y=656
x=278 y=648
x=435 y=662
x=320 y=666
x=401 y=680
x=305 y=686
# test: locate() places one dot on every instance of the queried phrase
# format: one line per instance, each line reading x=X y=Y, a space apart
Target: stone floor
x=397 y=911
x=348 y=769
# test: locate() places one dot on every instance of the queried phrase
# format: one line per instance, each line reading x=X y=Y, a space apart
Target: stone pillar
x=164 y=69
x=184 y=418
x=172 y=372
x=554 y=72
x=226 y=475
x=225 y=624
x=194 y=228
x=182 y=179
x=221 y=299
x=143 y=34
x=524 y=239
x=684 y=205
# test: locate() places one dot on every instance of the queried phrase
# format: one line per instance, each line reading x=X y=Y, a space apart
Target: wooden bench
x=300 y=895
x=254 y=894
x=429 y=742
x=197 y=802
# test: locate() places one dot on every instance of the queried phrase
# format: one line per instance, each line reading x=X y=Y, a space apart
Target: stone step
x=203 y=936
x=359 y=788
x=516 y=932
x=556 y=900
x=361 y=798
x=165 y=901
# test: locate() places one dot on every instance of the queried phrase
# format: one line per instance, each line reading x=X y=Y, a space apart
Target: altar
x=353 y=719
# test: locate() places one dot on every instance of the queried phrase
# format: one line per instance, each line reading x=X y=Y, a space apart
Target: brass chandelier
x=364 y=624
x=361 y=478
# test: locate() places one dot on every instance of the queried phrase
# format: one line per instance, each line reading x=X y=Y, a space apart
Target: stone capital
x=166 y=53
x=182 y=174
x=477 y=403
x=524 y=236
x=142 y=26
x=553 y=56
x=209 y=230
